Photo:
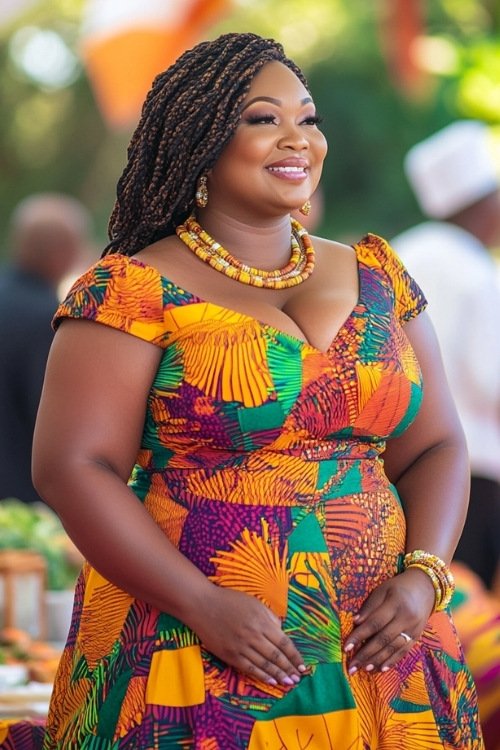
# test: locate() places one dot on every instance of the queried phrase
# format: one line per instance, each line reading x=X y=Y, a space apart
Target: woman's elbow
x=45 y=477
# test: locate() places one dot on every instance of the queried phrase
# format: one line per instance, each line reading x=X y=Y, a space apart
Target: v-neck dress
x=261 y=461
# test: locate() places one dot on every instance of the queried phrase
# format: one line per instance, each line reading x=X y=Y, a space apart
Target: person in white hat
x=456 y=183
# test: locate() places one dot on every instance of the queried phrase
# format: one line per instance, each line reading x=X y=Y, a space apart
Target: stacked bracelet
x=438 y=572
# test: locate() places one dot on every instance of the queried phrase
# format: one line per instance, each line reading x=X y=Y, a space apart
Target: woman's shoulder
x=368 y=243
x=119 y=291
x=332 y=248
x=374 y=251
x=382 y=267
x=370 y=249
x=116 y=272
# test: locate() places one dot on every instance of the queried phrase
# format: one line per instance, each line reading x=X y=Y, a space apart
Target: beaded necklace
x=297 y=270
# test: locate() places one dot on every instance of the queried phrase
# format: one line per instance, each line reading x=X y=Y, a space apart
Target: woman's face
x=273 y=163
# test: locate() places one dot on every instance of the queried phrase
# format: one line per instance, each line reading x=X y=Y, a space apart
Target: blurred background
x=73 y=75
x=384 y=73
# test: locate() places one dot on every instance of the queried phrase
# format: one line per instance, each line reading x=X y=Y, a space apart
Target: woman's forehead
x=275 y=80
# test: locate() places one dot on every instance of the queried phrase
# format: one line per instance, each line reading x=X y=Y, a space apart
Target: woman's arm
x=429 y=463
x=429 y=466
x=87 y=437
x=86 y=440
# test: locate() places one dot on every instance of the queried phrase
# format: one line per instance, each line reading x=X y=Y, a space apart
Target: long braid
x=188 y=117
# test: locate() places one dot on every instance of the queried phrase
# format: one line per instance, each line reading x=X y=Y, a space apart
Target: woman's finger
x=398 y=655
x=287 y=648
x=383 y=650
x=275 y=669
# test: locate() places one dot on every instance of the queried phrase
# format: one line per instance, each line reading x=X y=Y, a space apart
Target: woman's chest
x=225 y=373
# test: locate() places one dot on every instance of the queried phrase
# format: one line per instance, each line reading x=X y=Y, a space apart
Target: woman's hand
x=247 y=635
x=401 y=605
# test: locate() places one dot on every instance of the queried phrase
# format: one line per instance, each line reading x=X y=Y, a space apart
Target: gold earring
x=201 y=195
x=305 y=208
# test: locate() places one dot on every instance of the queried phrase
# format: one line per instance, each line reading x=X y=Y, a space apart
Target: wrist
x=421 y=581
x=196 y=603
x=437 y=572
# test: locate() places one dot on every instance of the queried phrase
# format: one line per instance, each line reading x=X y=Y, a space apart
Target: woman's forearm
x=434 y=491
x=119 y=538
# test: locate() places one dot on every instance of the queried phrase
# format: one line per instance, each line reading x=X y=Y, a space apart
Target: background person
x=50 y=238
x=211 y=431
x=455 y=179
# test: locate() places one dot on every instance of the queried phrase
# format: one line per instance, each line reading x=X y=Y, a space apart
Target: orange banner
x=126 y=44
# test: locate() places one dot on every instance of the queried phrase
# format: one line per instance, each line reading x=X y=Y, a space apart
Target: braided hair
x=189 y=116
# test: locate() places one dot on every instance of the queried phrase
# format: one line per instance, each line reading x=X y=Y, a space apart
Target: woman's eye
x=313 y=120
x=259 y=119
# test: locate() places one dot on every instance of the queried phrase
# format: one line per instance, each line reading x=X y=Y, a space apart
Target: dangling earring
x=201 y=195
x=305 y=208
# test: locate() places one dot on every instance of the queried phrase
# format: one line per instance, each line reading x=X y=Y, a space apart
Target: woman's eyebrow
x=271 y=100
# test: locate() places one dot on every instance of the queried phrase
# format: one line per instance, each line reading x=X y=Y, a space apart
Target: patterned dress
x=261 y=461
x=476 y=612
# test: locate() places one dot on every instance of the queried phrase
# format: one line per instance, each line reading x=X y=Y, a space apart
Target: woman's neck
x=265 y=245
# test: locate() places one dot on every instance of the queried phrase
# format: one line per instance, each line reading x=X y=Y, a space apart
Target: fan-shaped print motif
x=388 y=404
x=242 y=377
x=261 y=459
x=132 y=707
x=104 y=611
x=345 y=523
x=255 y=566
x=369 y=377
x=76 y=693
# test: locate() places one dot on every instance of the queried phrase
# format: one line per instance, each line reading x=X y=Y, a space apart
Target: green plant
x=38 y=528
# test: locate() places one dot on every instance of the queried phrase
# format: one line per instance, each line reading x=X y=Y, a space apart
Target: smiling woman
x=234 y=432
x=273 y=163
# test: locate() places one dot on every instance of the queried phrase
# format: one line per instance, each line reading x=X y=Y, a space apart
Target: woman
x=214 y=448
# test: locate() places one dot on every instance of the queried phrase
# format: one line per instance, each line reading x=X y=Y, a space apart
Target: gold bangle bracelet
x=438 y=572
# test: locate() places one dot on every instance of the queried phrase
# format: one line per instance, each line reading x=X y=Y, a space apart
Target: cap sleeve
x=409 y=300
x=120 y=292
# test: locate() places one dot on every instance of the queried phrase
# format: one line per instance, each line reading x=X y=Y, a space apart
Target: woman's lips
x=288 y=173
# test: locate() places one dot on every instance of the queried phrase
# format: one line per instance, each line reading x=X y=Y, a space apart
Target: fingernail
x=353 y=670
x=385 y=669
x=369 y=667
x=356 y=617
x=271 y=681
x=287 y=681
x=349 y=647
x=302 y=667
x=296 y=678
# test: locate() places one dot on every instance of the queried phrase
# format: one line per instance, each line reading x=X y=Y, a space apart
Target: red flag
x=401 y=23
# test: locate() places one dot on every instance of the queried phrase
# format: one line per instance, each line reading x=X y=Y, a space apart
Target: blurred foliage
x=36 y=527
x=54 y=138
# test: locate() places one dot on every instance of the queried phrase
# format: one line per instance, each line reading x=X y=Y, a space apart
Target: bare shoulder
x=335 y=270
x=333 y=253
x=332 y=247
x=152 y=254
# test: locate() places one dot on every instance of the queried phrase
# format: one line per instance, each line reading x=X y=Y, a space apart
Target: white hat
x=452 y=169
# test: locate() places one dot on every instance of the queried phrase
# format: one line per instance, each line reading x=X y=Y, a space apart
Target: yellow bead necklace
x=297 y=270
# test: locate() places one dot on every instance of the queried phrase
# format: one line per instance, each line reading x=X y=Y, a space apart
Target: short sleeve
x=409 y=300
x=120 y=292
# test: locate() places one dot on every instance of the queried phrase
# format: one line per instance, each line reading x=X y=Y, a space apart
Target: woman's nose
x=294 y=137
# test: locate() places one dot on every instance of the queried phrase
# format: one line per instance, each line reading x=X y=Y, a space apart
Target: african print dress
x=261 y=461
